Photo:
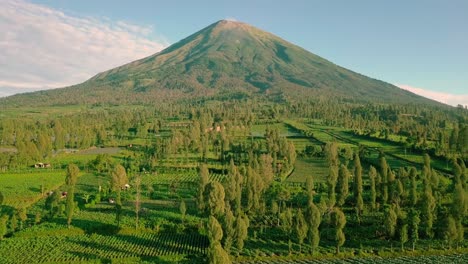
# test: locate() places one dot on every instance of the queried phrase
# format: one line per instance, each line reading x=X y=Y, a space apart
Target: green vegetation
x=240 y=161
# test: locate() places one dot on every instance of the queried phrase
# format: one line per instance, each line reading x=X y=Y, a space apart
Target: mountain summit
x=227 y=58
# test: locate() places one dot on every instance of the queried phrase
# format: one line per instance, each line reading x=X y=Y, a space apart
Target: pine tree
x=241 y=232
x=182 y=209
x=203 y=181
x=403 y=236
x=372 y=177
x=339 y=221
x=343 y=185
x=118 y=180
x=70 y=180
x=313 y=222
x=451 y=232
x=414 y=224
x=22 y=216
x=331 y=150
x=427 y=211
x=358 y=186
x=138 y=199
x=228 y=227
x=216 y=253
x=214 y=199
x=414 y=187
x=300 y=228
x=384 y=176
x=390 y=221
x=3 y=226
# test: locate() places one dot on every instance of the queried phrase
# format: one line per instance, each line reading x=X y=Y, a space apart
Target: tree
x=182 y=209
x=414 y=224
x=70 y=180
x=300 y=228
x=118 y=180
x=372 y=177
x=216 y=253
x=403 y=236
x=331 y=150
x=286 y=219
x=390 y=221
x=343 y=185
x=242 y=225
x=2 y=198
x=414 y=187
x=203 y=181
x=451 y=232
x=313 y=221
x=229 y=231
x=214 y=198
x=233 y=187
x=137 y=199
x=428 y=210
x=3 y=226
x=339 y=221
x=13 y=222
x=22 y=216
x=52 y=203
x=358 y=186
x=384 y=175
x=459 y=210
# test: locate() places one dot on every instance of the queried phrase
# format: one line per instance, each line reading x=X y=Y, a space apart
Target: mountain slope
x=227 y=58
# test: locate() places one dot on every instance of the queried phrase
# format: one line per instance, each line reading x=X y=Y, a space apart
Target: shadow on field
x=162 y=248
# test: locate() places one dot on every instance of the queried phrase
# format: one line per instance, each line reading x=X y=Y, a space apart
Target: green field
x=25 y=188
x=315 y=167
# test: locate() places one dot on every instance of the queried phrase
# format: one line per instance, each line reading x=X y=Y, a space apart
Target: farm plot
x=186 y=176
x=455 y=258
x=148 y=246
x=283 y=129
x=26 y=188
x=317 y=167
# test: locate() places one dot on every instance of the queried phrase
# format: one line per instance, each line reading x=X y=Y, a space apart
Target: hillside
x=225 y=59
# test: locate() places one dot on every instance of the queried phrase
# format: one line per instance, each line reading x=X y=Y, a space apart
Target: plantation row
x=453 y=259
x=89 y=247
x=191 y=176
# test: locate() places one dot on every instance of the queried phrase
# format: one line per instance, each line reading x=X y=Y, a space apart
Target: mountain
x=225 y=59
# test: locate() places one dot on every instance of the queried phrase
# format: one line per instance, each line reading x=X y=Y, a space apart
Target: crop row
x=457 y=258
x=89 y=247
x=188 y=176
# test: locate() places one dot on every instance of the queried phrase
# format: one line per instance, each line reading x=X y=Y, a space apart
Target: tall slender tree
x=70 y=180
x=137 y=199
x=331 y=150
x=203 y=181
x=343 y=185
x=300 y=228
x=216 y=253
x=358 y=187
x=339 y=221
x=118 y=181
x=384 y=176
x=373 y=194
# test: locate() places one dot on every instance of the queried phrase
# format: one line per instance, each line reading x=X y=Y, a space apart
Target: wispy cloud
x=44 y=48
x=446 y=98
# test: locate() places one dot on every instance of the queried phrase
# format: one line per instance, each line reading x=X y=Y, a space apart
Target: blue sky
x=415 y=44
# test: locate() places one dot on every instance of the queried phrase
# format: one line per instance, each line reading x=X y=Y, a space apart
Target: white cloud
x=446 y=98
x=43 y=48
